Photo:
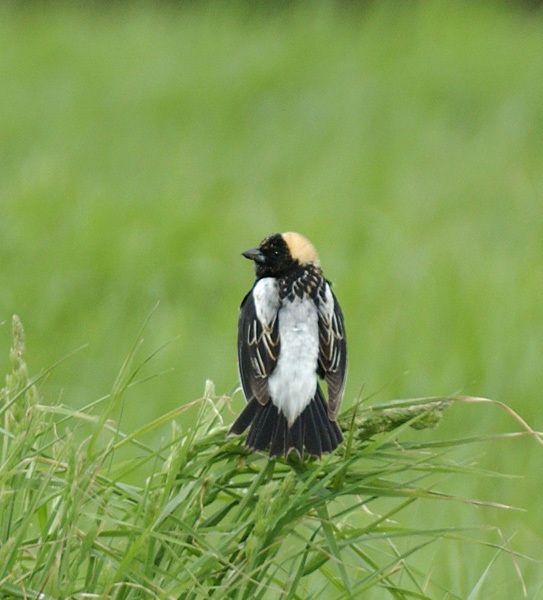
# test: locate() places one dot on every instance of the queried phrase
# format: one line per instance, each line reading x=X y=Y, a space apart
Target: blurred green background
x=144 y=146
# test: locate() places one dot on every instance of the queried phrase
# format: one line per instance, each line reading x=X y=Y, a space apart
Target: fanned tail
x=269 y=428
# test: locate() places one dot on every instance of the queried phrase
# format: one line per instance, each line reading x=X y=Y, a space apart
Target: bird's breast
x=292 y=385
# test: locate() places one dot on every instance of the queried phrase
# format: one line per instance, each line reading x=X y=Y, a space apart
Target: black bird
x=290 y=332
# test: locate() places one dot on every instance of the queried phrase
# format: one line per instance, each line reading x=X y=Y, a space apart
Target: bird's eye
x=276 y=253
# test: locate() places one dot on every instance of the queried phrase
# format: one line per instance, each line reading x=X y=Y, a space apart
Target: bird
x=291 y=333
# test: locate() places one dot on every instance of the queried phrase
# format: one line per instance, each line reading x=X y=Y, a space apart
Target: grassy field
x=143 y=147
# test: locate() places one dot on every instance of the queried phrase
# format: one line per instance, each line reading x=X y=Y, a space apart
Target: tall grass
x=199 y=517
x=144 y=145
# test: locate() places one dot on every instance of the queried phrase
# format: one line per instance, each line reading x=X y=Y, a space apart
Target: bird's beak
x=254 y=254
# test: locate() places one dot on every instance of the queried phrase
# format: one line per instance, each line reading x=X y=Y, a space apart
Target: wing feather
x=332 y=348
x=258 y=343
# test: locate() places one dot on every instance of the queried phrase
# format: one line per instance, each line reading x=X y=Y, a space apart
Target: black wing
x=258 y=350
x=332 y=348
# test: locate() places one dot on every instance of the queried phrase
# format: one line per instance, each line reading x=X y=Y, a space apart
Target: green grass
x=211 y=520
x=144 y=146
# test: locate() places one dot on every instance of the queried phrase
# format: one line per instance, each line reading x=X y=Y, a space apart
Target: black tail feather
x=295 y=438
x=261 y=431
x=269 y=428
x=254 y=431
x=312 y=439
x=321 y=419
x=245 y=418
x=332 y=428
x=279 y=437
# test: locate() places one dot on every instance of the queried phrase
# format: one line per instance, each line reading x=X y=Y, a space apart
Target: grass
x=144 y=146
x=211 y=520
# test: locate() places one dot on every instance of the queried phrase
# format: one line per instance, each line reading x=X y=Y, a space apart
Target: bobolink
x=290 y=331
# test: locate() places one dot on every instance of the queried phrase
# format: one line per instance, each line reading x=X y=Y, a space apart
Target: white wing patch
x=266 y=299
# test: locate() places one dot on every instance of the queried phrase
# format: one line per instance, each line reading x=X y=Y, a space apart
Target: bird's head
x=281 y=254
